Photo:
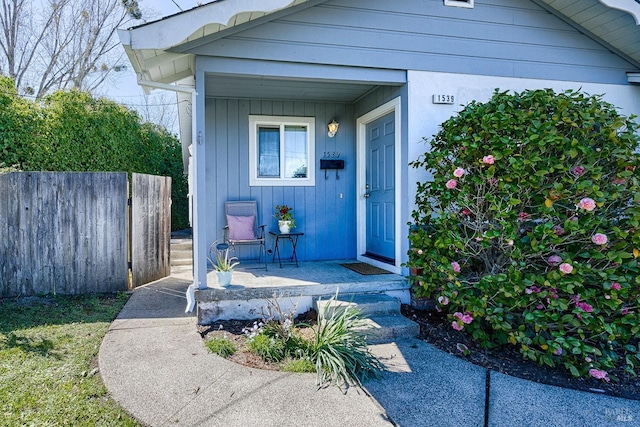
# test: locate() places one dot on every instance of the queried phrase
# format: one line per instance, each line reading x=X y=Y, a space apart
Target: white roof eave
x=629 y=6
x=166 y=33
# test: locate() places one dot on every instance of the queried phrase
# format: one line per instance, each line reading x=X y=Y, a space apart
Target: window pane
x=295 y=152
x=268 y=152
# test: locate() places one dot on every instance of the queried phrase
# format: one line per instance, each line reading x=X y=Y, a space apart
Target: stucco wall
x=425 y=117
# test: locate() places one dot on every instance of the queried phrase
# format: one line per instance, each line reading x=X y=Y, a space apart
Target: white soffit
x=202 y=21
x=630 y=6
x=611 y=22
x=147 y=45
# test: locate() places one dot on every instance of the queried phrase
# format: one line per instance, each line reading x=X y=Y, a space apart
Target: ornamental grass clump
x=340 y=350
x=526 y=230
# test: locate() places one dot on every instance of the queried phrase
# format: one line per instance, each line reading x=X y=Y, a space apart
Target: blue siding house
x=258 y=82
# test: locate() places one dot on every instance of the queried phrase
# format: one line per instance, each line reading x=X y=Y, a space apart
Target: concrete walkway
x=155 y=365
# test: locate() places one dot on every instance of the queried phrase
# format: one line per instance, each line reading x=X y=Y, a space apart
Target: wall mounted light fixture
x=333 y=128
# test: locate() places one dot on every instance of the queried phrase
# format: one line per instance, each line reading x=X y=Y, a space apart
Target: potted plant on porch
x=285 y=218
x=222 y=263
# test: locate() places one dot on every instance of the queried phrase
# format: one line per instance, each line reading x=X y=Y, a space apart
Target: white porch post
x=199 y=183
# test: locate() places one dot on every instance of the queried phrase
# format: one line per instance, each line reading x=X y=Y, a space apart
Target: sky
x=124 y=89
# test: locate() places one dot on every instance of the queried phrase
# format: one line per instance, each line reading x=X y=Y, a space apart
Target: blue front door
x=380 y=187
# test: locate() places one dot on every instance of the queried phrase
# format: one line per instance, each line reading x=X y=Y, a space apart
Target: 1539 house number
x=443 y=99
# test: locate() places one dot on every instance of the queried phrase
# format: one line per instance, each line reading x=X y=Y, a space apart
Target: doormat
x=365 y=269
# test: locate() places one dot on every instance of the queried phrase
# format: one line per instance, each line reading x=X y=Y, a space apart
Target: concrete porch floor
x=251 y=286
x=310 y=275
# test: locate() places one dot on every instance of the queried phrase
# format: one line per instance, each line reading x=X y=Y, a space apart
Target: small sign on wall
x=443 y=99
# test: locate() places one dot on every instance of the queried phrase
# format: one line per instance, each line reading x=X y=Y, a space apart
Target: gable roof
x=149 y=46
x=156 y=49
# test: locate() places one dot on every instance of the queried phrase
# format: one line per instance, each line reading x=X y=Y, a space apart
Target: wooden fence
x=65 y=232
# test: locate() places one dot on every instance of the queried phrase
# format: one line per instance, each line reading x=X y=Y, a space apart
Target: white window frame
x=281 y=121
x=459 y=3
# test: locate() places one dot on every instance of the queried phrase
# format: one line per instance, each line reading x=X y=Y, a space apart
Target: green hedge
x=72 y=131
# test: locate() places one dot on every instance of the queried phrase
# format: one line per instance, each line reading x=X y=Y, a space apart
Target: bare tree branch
x=59 y=44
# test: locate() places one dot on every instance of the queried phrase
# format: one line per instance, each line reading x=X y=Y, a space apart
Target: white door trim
x=361 y=161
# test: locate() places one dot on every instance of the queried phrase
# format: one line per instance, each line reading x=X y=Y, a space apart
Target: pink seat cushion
x=241 y=227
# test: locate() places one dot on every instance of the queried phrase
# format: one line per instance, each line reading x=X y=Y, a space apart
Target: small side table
x=293 y=238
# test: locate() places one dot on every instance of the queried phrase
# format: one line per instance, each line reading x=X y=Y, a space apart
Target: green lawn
x=48 y=361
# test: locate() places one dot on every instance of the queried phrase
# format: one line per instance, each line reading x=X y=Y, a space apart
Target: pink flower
x=488 y=159
x=540 y=306
x=467 y=318
x=455 y=325
x=419 y=251
x=615 y=285
x=458 y=315
x=451 y=184
x=456 y=267
x=599 y=239
x=554 y=260
x=624 y=311
x=532 y=289
x=607 y=297
x=466 y=211
x=566 y=268
x=558 y=230
x=619 y=181
x=598 y=374
x=443 y=300
x=523 y=216
x=578 y=170
x=510 y=242
x=588 y=359
x=584 y=307
x=558 y=352
x=493 y=181
x=459 y=172
x=587 y=204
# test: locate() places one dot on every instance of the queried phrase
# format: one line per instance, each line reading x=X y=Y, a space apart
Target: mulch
x=436 y=330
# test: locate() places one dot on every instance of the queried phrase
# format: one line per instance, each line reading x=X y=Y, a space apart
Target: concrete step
x=181 y=245
x=383 y=321
x=181 y=253
x=389 y=328
x=368 y=304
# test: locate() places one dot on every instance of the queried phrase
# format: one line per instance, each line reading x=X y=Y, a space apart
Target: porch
x=293 y=286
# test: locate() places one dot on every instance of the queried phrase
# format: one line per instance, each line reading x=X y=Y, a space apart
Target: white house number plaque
x=443 y=99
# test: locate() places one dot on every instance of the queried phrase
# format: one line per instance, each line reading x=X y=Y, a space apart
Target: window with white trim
x=281 y=151
x=459 y=3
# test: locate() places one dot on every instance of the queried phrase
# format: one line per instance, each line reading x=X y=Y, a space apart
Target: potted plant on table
x=222 y=263
x=285 y=218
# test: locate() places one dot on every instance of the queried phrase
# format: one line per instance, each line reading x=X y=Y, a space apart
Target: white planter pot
x=284 y=226
x=224 y=278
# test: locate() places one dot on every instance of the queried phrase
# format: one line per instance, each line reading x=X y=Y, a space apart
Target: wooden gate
x=150 y=230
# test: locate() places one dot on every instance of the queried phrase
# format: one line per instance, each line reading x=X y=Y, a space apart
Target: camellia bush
x=526 y=230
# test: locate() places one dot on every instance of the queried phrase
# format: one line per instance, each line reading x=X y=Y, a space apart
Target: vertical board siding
x=328 y=221
x=63 y=233
x=508 y=38
x=150 y=228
